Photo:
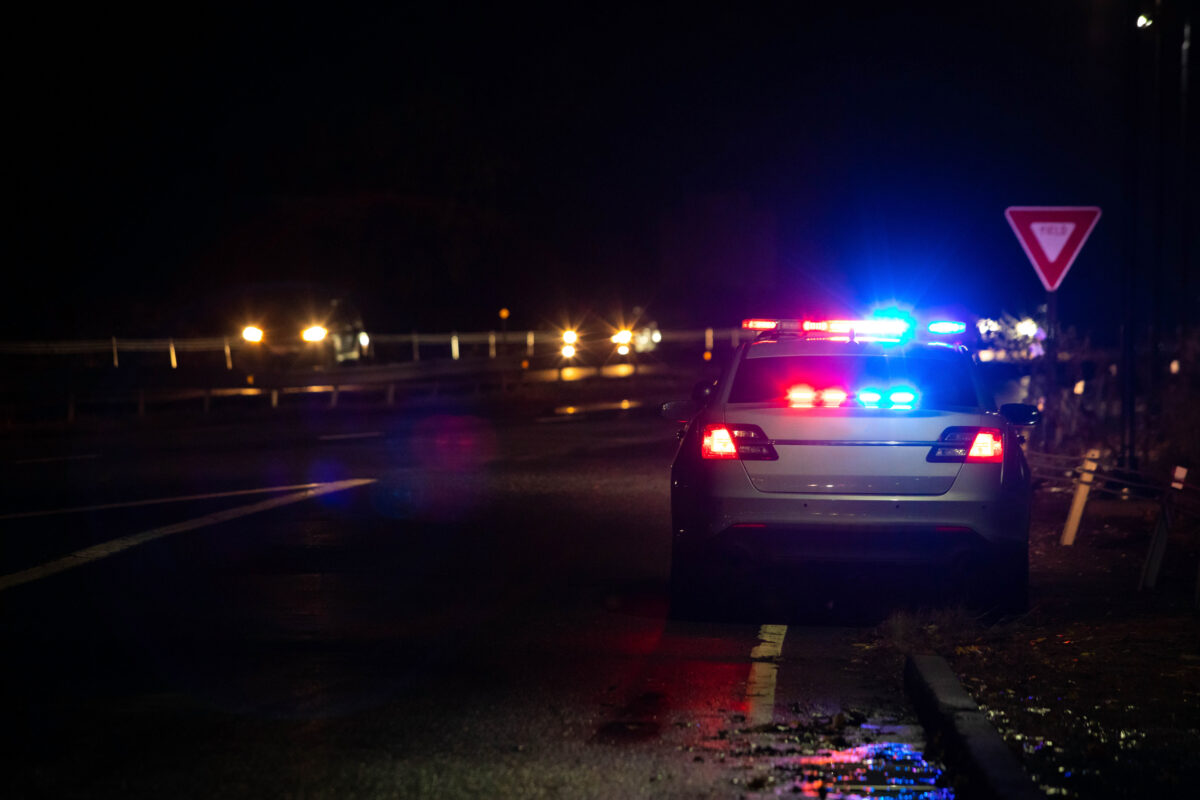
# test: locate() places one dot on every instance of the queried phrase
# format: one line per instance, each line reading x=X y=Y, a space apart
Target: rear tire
x=1012 y=583
x=689 y=594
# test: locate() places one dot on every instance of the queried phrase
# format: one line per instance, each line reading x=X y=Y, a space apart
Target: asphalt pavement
x=431 y=603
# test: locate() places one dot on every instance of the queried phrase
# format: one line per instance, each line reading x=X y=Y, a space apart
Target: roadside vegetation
x=1097 y=687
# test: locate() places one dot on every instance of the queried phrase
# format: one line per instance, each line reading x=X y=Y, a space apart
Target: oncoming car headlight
x=314 y=333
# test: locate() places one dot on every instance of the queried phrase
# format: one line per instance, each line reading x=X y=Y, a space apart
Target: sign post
x=1051 y=237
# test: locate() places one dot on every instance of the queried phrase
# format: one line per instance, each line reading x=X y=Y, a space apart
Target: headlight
x=363 y=339
x=569 y=338
x=568 y=351
x=622 y=337
x=252 y=333
x=316 y=333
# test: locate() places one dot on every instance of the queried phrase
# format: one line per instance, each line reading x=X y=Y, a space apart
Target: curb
x=969 y=740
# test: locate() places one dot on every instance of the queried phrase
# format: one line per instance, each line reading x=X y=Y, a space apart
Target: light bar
x=886 y=326
x=771 y=324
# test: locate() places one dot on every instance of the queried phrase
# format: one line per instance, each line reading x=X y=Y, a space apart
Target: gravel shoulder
x=1097 y=688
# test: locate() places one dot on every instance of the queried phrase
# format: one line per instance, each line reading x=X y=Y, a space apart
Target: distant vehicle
x=844 y=442
x=296 y=325
x=605 y=346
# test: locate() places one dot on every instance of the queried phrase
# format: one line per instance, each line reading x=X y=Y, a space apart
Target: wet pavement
x=488 y=616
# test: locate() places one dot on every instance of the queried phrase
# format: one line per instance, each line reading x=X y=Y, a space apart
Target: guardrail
x=1092 y=473
x=415 y=345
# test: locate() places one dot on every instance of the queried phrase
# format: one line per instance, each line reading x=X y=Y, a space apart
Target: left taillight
x=732 y=441
x=969 y=445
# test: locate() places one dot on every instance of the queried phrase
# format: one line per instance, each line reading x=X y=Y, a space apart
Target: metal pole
x=116 y=363
x=171 y=348
x=1050 y=370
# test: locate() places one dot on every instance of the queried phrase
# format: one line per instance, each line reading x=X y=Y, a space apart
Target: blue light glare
x=870 y=398
x=947 y=327
x=903 y=397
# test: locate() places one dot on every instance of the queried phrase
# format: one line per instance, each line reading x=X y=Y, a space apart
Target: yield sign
x=1052 y=236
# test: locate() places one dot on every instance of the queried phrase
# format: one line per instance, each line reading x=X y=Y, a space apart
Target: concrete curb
x=971 y=744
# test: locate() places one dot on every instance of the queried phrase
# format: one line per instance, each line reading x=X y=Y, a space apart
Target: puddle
x=882 y=769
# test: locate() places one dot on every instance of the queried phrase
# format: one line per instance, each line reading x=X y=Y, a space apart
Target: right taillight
x=969 y=445
x=745 y=442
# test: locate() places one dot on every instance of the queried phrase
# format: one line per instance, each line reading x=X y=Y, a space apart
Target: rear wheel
x=995 y=582
x=1012 y=582
x=690 y=596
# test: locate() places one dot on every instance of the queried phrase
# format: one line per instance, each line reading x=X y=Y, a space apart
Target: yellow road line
x=106 y=549
x=760 y=688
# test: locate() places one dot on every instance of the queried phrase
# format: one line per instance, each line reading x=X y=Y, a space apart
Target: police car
x=850 y=441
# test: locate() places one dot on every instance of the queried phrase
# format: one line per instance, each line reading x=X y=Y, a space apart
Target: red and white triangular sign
x=1052 y=236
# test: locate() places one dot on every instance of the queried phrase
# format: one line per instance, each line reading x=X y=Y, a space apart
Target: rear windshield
x=938 y=382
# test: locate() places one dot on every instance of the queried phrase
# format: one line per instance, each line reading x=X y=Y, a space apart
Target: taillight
x=745 y=442
x=717 y=443
x=969 y=445
x=988 y=447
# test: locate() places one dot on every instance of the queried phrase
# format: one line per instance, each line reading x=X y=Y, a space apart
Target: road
x=418 y=602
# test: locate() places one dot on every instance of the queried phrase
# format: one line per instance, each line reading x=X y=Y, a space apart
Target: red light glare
x=833 y=397
x=802 y=397
x=988 y=448
x=717 y=443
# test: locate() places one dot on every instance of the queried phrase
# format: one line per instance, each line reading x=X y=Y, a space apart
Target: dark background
x=440 y=161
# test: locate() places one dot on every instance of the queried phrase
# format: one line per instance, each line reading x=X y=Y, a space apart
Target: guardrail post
x=171 y=350
x=333 y=398
x=416 y=341
x=1087 y=474
x=529 y=343
x=116 y=362
x=274 y=398
x=708 y=338
x=1162 y=531
x=491 y=344
x=454 y=346
x=228 y=355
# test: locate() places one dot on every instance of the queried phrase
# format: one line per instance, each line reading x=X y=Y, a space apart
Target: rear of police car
x=851 y=442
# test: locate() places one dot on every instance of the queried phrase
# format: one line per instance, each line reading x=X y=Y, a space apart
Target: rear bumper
x=708 y=515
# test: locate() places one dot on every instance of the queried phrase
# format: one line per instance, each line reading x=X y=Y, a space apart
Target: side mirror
x=1021 y=414
x=680 y=410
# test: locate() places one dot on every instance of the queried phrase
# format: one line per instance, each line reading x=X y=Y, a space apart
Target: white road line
x=183 y=498
x=760 y=688
x=106 y=549
x=49 y=459
x=337 y=437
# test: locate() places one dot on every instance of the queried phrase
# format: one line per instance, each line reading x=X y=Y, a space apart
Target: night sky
x=438 y=161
